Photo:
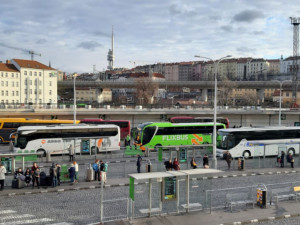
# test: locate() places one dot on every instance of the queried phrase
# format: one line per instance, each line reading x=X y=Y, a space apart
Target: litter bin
x=6 y=162
x=261 y=196
x=241 y=163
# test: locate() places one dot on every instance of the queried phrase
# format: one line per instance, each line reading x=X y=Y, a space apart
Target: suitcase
x=48 y=181
x=18 y=183
x=89 y=174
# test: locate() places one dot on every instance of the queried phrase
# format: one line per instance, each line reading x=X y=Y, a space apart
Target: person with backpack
x=103 y=169
x=97 y=170
x=53 y=174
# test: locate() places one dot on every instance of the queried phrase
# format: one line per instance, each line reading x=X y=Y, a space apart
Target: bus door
x=281 y=148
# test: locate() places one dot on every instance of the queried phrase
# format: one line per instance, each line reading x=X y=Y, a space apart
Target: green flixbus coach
x=152 y=135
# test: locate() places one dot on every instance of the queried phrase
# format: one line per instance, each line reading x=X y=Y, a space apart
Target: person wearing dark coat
x=139 y=163
x=282 y=159
x=72 y=174
x=58 y=173
x=169 y=165
x=205 y=160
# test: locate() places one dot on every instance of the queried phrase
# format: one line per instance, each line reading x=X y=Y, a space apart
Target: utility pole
x=295 y=21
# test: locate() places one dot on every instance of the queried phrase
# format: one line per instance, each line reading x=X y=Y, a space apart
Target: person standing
x=71 y=152
x=228 y=159
x=58 y=173
x=96 y=170
x=103 y=169
x=53 y=174
x=2 y=176
x=282 y=159
x=176 y=165
x=76 y=171
x=72 y=173
x=127 y=140
x=139 y=163
x=193 y=163
x=35 y=171
x=205 y=161
x=290 y=159
x=168 y=165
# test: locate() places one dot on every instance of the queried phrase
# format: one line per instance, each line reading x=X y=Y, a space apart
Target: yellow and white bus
x=10 y=125
x=56 y=139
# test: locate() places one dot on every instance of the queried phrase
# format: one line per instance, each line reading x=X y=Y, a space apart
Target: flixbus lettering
x=175 y=137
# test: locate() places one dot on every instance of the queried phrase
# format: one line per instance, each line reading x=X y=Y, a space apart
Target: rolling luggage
x=18 y=183
x=89 y=174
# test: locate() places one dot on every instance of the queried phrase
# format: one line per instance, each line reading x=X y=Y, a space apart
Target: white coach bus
x=248 y=142
x=85 y=138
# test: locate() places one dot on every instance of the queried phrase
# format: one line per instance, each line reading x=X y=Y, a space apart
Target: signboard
x=131 y=188
x=85 y=145
x=169 y=191
x=182 y=155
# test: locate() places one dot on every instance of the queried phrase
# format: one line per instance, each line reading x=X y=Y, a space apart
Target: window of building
x=30 y=73
x=30 y=82
x=30 y=91
x=1 y=74
x=17 y=84
x=50 y=92
x=25 y=100
x=25 y=91
x=17 y=75
x=25 y=81
x=2 y=83
x=50 y=83
x=35 y=73
x=40 y=74
x=6 y=83
x=6 y=93
x=17 y=101
x=12 y=75
x=13 y=93
x=287 y=94
x=12 y=84
x=40 y=101
x=17 y=93
x=40 y=92
x=25 y=72
x=6 y=74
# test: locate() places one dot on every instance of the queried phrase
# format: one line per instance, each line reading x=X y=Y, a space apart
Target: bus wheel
x=246 y=154
x=291 y=150
x=42 y=151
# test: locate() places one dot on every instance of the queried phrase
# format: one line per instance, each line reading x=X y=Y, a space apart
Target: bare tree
x=225 y=92
x=146 y=90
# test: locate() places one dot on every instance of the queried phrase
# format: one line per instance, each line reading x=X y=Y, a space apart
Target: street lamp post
x=216 y=62
x=280 y=98
x=75 y=106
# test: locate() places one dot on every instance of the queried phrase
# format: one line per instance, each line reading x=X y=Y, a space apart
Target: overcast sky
x=75 y=35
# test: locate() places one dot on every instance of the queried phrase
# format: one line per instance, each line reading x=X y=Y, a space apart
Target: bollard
x=48 y=157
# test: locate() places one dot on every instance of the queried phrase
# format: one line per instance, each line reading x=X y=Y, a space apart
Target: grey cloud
x=258 y=32
x=227 y=28
x=41 y=41
x=174 y=10
x=248 y=16
x=101 y=33
x=245 y=49
x=90 y=45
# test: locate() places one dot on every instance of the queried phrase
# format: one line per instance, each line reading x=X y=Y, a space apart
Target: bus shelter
x=169 y=188
x=9 y=159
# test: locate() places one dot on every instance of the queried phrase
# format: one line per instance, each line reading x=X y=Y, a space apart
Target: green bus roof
x=168 y=124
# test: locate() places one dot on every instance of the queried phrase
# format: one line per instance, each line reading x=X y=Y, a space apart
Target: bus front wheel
x=246 y=154
x=42 y=151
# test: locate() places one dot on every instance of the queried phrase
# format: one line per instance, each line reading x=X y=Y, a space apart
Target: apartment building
x=94 y=95
x=172 y=71
x=257 y=69
x=27 y=81
x=286 y=64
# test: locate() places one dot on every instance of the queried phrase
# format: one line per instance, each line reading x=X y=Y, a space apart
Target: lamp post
x=216 y=62
x=280 y=98
x=75 y=106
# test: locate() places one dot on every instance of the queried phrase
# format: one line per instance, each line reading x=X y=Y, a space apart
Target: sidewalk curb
x=65 y=188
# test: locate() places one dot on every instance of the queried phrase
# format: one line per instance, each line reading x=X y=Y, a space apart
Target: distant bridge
x=164 y=84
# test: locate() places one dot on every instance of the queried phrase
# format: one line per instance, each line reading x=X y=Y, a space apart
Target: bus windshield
x=227 y=141
x=148 y=134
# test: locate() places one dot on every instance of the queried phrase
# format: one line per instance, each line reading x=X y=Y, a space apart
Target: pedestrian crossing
x=12 y=217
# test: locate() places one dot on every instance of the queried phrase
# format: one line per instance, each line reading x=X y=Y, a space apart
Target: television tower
x=110 y=55
x=295 y=21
